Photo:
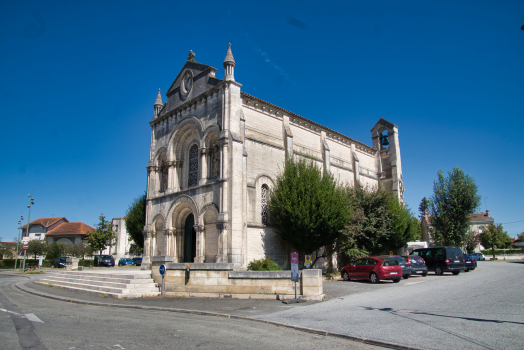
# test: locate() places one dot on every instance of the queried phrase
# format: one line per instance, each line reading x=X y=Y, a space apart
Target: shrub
x=488 y=252
x=265 y=264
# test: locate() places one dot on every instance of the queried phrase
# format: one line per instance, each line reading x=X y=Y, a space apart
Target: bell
x=385 y=140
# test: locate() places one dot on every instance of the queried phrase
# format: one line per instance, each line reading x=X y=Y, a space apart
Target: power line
x=514 y=222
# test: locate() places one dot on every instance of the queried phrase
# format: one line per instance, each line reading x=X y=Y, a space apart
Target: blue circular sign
x=162 y=269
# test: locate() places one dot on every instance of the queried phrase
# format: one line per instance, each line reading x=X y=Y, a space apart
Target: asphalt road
x=481 y=309
x=32 y=322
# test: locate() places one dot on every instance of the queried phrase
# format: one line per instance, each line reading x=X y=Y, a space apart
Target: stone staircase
x=114 y=285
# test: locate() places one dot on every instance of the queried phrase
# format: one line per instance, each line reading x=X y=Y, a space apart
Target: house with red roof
x=39 y=227
x=68 y=233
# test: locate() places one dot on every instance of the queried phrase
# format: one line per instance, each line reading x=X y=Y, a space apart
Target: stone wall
x=221 y=281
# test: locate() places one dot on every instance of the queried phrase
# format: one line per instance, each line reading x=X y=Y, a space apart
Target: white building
x=215 y=154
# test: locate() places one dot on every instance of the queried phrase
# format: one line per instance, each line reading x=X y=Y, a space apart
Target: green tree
x=55 y=250
x=136 y=219
x=423 y=206
x=6 y=252
x=369 y=225
x=454 y=198
x=37 y=247
x=471 y=240
x=135 y=249
x=79 y=250
x=403 y=227
x=416 y=230
x=102 y=236
x=493 y=236
x=307 y=206
x=520 y=236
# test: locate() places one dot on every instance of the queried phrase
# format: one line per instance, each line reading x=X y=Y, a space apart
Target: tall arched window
x=193 y=166
x=263 y=203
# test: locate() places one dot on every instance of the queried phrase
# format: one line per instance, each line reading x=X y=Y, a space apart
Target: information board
x=294 y=267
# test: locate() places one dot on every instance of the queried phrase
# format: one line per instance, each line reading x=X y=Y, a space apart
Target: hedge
x=10 y=263
x=502 y=252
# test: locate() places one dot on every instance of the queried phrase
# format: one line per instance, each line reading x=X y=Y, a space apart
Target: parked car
x=470 y=263
x=404 y=264
x=126 y=262
x=373 y=268
x=104 y=260
x=478 y=256
x=137 y=260
x=60 y=262
x=418 y=266
x=442 y=259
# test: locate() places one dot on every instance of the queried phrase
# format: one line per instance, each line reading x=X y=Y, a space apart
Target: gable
x=202 y=78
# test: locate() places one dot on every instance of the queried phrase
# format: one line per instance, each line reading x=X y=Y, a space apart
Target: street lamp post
x=18 y=243
x=31 y=202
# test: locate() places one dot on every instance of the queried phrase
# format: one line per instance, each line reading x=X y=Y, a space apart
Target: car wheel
x=345 y=276
x=396 y=280
x=456 y=272
x=472 y=269
x=466 y=270
x=406 y=277
x=373 y=278
x=424 y=274
x=438 y=270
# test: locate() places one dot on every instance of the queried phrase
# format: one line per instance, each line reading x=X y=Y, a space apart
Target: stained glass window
x=193 y=166
x=264 y=204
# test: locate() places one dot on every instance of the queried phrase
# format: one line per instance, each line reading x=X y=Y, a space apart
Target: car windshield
x=107 y=257
x=390 y=262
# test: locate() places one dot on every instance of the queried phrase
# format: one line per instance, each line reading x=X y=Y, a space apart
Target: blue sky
x=79 y=79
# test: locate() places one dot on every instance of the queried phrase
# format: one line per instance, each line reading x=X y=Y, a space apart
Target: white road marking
x=30 y=317
x=33 y=318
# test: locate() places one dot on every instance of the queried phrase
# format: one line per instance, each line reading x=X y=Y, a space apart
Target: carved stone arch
x=157 y=217
x=209 y=207
x=161 y=150
x=210 y=134
x=264 y=179
x=182 y=127
x=177 y=207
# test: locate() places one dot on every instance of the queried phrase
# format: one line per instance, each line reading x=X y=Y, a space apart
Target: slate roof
x=70 y=229
x=46 y=222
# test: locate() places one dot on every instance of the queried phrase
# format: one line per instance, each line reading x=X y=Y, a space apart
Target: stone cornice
x=308 y=124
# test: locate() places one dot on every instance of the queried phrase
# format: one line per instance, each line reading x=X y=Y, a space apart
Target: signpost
x=162 y=271
x=294 y=270
x=307 y=261
x=25 y=246
x=41 y=257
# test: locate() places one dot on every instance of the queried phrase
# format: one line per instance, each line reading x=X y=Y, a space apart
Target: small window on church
x=264 y=204
x=193 y=166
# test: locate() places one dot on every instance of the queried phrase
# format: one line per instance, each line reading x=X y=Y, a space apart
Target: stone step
x=109 y=294
x=107 y=275
x=102 y=279
x=115 y=283
x=100 y=288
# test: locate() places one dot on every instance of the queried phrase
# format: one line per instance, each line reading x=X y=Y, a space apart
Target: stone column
x=168 y=242
x=222 y=243
x=171 y=185
x=178 y=176
x=203 y=168
x=199 y=244
x=146 y=256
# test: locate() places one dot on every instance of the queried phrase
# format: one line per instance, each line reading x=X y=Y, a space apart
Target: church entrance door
x=189 y=239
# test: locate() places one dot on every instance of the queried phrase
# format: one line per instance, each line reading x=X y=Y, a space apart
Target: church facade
x=215 y=154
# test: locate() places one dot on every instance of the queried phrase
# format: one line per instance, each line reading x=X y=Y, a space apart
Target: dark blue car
x=125 y=262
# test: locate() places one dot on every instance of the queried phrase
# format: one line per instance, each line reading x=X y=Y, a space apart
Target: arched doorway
x=189 y=239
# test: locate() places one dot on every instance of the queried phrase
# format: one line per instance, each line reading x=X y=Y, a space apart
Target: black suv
x=104 y=260
x=60 y=262
x=137 y=260
x=442 y=259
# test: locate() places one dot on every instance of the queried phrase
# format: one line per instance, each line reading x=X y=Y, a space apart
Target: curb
x=206 y=313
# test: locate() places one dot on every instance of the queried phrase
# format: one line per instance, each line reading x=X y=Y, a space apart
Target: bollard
x=188 y=268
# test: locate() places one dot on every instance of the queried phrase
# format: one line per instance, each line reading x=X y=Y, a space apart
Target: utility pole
x=31 y=202
x=18 y=243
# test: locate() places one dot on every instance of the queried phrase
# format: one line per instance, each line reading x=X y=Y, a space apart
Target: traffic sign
x=294 y=267
x=25 y=246
x=162 y=269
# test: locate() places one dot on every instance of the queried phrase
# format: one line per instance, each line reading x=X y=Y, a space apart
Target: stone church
x=215 y=154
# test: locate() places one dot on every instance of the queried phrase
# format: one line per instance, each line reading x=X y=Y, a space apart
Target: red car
x=374 y=269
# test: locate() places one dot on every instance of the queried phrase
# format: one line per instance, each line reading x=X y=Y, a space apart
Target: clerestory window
x=193 y=166
x=264 y=193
